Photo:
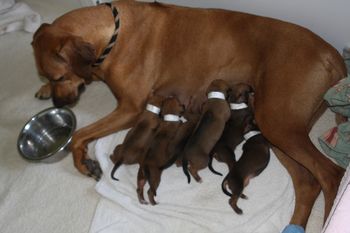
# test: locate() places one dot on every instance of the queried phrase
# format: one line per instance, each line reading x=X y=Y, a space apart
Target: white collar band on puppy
x=235 y=106
x=251 y=134
x=153 y=109
x=183 y=119
x=171 y=117
x=216 y=95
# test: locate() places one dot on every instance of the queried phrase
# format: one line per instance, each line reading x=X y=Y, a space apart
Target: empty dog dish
x=46 y=136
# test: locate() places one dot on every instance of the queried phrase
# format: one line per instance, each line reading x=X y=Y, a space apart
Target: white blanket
x=338 y=220
x=190 y=207
x=17 y=16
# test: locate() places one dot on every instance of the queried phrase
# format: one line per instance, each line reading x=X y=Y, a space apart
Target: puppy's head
x=64 y=60
x=156 y=100
x=220 y=86
x=240 y=93
x=172 y=105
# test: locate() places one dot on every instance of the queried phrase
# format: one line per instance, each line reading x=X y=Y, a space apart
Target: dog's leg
x=141 y=181
x=326 y=172
x=44 y=92
x=154 y=180
x=306 y=188
x=121 y=118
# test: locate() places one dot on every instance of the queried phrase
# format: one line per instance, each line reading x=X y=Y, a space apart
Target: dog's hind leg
x=141 y=181
x=306 y=188
x=154 y=180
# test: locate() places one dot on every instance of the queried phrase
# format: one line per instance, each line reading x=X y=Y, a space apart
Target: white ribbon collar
x=174 y=118
x=216 y=95
x=235 y=106
x=152 y=108
x=251 y=134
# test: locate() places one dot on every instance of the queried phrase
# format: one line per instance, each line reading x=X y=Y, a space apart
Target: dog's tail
x=223 y=186
x=210 y=165
x=185 y=169
x=116 y=165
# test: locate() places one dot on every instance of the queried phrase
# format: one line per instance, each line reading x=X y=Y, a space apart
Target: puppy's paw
x=143 y=202
x=94 y=169
x=44 y=92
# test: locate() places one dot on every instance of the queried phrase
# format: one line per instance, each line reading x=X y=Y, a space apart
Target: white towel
x=17 y=16
x=5 y=4
x=338 y=219
x=191 y=207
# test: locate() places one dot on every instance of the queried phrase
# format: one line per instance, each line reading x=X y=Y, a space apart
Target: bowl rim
x=36 y=116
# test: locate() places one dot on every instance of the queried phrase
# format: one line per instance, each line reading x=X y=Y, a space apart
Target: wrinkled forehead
x=46 y=45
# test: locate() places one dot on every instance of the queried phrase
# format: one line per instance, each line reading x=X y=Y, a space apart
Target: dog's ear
x=39 y=30
x=80 y=55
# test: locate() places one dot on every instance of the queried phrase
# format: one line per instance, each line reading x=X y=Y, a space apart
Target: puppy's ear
x=80 y=55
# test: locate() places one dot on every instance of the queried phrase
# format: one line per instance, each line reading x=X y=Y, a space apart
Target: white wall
x=330 y=19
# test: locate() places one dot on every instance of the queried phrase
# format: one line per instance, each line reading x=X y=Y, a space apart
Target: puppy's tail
x=223 y=186
x=116 y=165
x=185 y=169
x=210 y=165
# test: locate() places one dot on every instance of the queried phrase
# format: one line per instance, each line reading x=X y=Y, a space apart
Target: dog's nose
x=81 y=88
x=57 y=103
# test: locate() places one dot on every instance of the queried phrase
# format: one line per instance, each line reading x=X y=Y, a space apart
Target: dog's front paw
x=94 y=169
x=44 y=92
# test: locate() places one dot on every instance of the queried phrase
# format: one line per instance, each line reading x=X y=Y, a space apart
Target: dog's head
x=172 y=105
x=65 y=60
x=220 y=86
x=240 y=93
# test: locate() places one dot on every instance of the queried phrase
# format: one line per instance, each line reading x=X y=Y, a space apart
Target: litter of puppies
x=166 y=133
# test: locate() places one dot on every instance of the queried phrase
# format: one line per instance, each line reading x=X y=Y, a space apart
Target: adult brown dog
x=181 y=50
x=215 y=113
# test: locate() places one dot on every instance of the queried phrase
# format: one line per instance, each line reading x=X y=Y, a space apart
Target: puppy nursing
x=159 y=156
x=232 y=136
x=138 y=139
x=255 y=158
x=216 y=112
x=165 y=132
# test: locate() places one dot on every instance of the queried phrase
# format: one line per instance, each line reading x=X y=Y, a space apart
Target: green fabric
x=336 y=143
x=338 y=97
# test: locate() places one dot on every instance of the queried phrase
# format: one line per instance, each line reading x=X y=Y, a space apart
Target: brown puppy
x=205 y=44
x=240 y=106
x=159 y=155
x=138 y=139
x=216 y=112
x=177 y=145
x=255 y=158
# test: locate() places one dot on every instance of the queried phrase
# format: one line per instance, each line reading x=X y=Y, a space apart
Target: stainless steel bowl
x=46 y=136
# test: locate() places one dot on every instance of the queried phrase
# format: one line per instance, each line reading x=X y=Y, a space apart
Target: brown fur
x=208 y=131
x=254 y=159
x=137 y=141
x=181 y=50
x=232 y=136
x=159 y=153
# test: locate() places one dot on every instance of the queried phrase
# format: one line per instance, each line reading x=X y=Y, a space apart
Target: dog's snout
x=81 y=88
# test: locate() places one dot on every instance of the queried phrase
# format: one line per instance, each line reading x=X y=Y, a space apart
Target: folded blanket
x=338 y=219
x=190 y=207
x=336 y=143
x=18 y=17
x=6 y=4
x=338 y=97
